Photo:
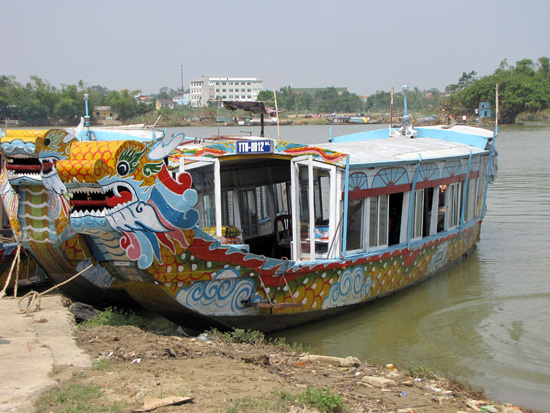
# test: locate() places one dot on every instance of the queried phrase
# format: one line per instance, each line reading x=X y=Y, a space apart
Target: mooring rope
x=33 y=295
x=15 y=261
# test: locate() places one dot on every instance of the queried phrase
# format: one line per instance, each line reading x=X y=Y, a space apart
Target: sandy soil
x=217 y=374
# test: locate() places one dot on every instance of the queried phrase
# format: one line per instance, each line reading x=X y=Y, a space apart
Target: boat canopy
x=374 y=153
x=467 y=135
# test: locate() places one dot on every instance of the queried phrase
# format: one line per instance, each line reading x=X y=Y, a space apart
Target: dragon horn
x=162 y=149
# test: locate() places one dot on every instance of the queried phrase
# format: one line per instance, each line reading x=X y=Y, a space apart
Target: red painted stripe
x=394 y=189
x=13 y=167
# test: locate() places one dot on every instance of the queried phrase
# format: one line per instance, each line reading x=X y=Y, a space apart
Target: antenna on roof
x=406 y=115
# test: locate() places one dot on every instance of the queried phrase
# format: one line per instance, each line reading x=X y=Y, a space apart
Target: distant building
x=165 y=103
x=485 y=109
x=104 y=113
x=144 y=98
x=209 y=88
x=182 y=99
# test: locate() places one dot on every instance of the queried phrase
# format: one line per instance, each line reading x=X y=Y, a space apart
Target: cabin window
x=254 y=212
x=228 y=210
x=203 y=182
x=209 y=218
x=453 y=205
x=470 y=205
x=355 y=228
x=261 y=196
x=248 y=209
x=314 y=192
x=395 y=218
x=428 y=209
x=441 y=208
x=281 y=191
x=264 y=219
x=321 y=193
x=378 y=220
x=417 y=214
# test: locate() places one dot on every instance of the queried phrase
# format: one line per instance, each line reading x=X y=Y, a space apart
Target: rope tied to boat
x=15 y=262
x=33 y=296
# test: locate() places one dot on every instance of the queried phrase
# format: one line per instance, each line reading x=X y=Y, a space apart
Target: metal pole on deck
x=484 y=210
x=262 y=124
x=277 y=110
x=391 y=109
x=406 y=114
x=87 y=116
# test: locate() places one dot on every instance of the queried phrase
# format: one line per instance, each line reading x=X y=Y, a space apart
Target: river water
x=485 y=320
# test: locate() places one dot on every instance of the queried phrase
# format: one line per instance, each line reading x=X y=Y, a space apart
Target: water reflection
x=411 y=327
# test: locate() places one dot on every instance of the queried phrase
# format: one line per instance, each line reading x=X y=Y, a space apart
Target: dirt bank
x=222 y=376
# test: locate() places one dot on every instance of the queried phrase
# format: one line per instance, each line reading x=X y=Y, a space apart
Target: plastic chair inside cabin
x=283 y=232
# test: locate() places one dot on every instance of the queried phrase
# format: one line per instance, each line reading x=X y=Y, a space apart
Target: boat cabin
x=284 y=200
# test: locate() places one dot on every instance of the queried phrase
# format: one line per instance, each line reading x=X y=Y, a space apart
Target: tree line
x=334 y=100
x=39 y=103
x=523 y=88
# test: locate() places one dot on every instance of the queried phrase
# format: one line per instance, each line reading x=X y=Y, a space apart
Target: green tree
x=544 y=67
x=10 y=90
x=522 y=88
x=66 y=109
x=38 y=102
x=124 y=104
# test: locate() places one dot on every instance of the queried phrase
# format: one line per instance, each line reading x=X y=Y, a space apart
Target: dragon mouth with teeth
x=19 y=149
x=23 y=165
x=102 y=201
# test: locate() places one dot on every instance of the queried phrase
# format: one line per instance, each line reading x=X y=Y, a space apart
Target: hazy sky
x=362 y=45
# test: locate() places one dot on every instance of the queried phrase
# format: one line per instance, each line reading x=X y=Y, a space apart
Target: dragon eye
x=123 y=168
x=47 y=142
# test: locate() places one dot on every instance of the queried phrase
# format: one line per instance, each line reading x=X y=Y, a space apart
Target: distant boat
x=262 y=234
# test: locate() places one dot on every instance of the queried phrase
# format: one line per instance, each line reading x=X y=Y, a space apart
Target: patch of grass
x=115 y=317
x=249 y=404
x=282 y=343
x=461 y=385
x=74 y=398
x=323 y=400
x=238 y=335
x=102 y=365
x=421 y=372
x=256 y=338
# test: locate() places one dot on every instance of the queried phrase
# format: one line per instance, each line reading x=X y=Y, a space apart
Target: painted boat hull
x=325 y=290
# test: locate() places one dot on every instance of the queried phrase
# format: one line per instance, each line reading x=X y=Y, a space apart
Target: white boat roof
x=400 y=149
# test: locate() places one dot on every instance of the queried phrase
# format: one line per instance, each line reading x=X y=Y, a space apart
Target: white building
x=209 y=88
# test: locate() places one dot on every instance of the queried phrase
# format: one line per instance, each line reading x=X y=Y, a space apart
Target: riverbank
x=48 y=362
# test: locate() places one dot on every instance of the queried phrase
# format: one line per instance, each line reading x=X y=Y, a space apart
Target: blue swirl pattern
x=218 y=297
x=351 y=288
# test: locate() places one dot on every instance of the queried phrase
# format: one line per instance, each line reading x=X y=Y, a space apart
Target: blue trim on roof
x=449 y=135
x=453 y=136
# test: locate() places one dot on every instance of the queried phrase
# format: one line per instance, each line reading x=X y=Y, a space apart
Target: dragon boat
x=263 y=234
x=39 y=217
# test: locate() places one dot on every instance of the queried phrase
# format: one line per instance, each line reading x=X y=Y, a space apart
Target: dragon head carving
x=125 y=186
